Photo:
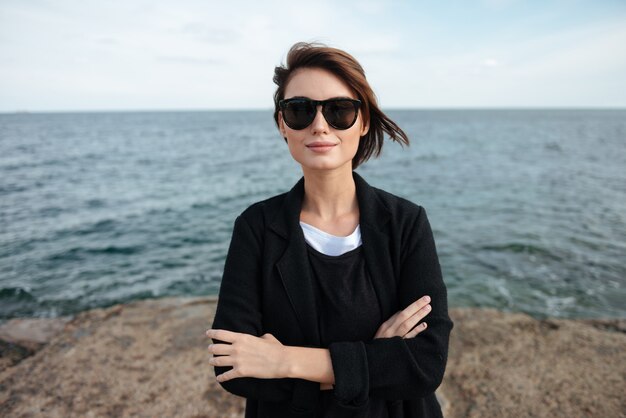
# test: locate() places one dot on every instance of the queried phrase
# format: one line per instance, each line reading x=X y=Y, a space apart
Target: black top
x=265 y=289
x=348 y=311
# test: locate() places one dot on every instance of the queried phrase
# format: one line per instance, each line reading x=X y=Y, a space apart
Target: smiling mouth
x=321 y=147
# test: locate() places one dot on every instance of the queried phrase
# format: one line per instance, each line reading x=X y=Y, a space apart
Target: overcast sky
x=144 y=55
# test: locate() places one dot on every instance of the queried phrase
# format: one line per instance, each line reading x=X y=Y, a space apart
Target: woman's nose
x=319 y=124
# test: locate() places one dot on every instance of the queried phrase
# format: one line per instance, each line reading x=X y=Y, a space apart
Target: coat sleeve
x=239 y=310
x=398 y=368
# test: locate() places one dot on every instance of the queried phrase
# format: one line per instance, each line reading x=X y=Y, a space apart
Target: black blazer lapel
x=293 y=266
x=294 y=269
x=375 y=230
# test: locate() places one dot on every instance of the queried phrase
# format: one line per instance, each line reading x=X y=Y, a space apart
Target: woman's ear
x=365 y=128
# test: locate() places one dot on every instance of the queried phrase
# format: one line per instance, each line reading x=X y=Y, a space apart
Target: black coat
x=267 y=287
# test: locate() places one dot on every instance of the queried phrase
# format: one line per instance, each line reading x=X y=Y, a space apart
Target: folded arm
x=400 y=368
x=239 y=310
x=387 y=368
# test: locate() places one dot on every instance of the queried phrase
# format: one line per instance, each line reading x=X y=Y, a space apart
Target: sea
x=527 y=206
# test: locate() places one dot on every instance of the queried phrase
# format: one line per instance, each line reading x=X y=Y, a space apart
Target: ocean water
x=528 y=207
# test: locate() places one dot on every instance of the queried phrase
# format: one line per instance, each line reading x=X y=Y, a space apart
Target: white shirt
x=330 y=244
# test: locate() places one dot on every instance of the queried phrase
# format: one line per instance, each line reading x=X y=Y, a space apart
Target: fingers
x=416 y=307
x=231 y=374
x=407 y=326
x=411 y=315
x=222 y=349
x=221 y=354
x=384 y=327
x=418 y=304
x=421 y=327
x=222 y=335
x=402 y=323
x=221 y=361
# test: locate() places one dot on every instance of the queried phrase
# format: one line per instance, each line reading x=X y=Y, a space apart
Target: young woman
x=324 y=286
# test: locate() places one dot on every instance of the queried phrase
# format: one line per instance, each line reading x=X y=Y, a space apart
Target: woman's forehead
x=317 y=84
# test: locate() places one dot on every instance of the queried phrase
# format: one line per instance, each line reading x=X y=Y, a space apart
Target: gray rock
x=31 y=333
x=512 y=365
x=149 y=358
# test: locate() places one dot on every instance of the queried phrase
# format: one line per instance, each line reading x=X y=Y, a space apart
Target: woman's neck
x=329 y=195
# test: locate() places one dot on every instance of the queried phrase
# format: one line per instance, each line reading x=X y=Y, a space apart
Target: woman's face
x=320 y=84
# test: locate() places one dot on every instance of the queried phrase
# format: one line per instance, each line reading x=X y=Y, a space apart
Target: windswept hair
x=347 y=68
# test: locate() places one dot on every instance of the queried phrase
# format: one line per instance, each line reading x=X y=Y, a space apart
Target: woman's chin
x=324 y=165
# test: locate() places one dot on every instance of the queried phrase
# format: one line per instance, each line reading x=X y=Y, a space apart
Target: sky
x=88 y=55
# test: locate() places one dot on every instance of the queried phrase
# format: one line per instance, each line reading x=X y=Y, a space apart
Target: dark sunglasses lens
x=341 y=114
x=298 y=114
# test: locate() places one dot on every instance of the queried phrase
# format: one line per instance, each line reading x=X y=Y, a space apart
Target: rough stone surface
x=149 y=358
x=32 y=333
x=511 y=365
x=22 y=337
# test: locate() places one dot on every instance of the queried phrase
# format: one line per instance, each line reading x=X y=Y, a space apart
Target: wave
x=522 y=248
x=77 y=253
x=17 y=294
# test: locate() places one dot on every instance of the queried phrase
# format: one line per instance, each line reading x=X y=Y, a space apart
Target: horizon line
x=417 y=108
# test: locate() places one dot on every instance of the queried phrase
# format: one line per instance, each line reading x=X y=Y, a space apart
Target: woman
x=324 y=285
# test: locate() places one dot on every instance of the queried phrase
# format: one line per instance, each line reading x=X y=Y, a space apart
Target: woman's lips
x=321 y=148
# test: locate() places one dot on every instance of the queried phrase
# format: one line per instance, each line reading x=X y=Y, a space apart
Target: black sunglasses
x=299 y=112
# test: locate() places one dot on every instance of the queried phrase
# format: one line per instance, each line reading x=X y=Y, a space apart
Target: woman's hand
x=250 y=356
x=400 y=324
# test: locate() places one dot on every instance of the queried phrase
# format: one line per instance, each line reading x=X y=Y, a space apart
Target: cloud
x=490 y=62
x=206 y=33
x=579 y=67
x=188 y=60
x=202 y=54
x=586 y=51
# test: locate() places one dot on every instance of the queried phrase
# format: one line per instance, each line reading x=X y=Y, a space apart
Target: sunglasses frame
x=355 y=102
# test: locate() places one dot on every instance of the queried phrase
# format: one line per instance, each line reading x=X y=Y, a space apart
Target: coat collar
x=294 y=268
x=373 y=212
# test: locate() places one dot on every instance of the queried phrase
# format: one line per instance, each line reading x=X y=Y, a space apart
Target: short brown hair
x=347 y=68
